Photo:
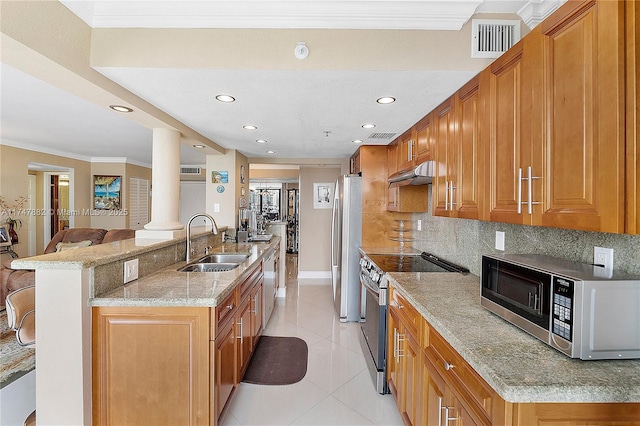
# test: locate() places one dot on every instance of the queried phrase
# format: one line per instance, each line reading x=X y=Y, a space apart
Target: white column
x=165 y=184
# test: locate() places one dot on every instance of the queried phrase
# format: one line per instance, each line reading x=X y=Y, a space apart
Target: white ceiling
x=292 y=109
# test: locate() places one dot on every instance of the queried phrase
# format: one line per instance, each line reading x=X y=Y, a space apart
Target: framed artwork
x=242 y=191
x=242 y=174
x=323 y=195
x=220 y=176
x=5 y=240
x=107 y=192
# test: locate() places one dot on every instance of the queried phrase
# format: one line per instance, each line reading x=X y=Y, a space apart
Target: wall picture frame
x=107 y=191
x=323 y=195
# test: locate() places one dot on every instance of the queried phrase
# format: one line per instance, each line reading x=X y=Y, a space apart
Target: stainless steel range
x=374 y=302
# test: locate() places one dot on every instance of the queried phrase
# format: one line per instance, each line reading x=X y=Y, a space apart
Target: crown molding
x=44 y=150
x=317 y=14
x=535 y=11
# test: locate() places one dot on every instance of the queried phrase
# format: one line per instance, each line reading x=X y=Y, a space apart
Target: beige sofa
x=12 y=279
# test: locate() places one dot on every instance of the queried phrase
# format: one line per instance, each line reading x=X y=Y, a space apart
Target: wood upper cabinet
x=457 y=141
x=407 y=149
x=151 y=365
x=471 y=132
x=509 y=149
x=406 y=198
x=556 y=155
x=354 y=163
x=392 y=157
x=632 y=36
x=445 y=181
x=423 y=139
x=583 y=110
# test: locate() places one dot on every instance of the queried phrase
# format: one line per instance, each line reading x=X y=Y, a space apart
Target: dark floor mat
x=277 y=361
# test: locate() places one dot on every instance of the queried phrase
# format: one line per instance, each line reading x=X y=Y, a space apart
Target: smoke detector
x=301 y=51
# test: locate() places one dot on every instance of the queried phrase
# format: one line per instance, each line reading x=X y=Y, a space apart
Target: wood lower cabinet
x=434 y=385
x=403 y=359
x=151 y=366
x=225 y=364
x=173 y=365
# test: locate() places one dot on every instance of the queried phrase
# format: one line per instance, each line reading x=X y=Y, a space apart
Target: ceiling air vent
x=190 y=170
x=381 y=135
x=491 y=38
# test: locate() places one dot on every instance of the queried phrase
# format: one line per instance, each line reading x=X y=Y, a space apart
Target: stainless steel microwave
x=582 y=310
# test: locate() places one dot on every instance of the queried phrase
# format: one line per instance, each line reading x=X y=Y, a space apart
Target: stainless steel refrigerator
x=346 y=237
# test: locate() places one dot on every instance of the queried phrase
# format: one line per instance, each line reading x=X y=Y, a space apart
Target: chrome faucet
x=214 y=229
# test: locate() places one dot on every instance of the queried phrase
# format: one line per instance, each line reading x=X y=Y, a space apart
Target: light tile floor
x=337 y=389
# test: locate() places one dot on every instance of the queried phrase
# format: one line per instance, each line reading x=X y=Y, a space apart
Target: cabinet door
x=406 y=150
x=410 y=381
x=423 y=139
x=393 y=360
x=392 y=162
x=467 y=197
x=244 y=340
x=256 y=311
x=150 y=365
x=508 y=151
x=632 y=13
x=583 y=103
x=433 y=393
x=225 y=361
x=446 y=155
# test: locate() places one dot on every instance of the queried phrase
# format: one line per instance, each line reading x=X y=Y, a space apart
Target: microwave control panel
x=562 y=323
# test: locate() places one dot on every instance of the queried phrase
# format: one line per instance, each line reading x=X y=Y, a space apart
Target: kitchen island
x=512 y=377
x=172 y=347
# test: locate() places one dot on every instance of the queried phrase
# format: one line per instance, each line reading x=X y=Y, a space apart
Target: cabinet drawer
x=254 y=278
x=222 y=313
x=408 y=314
x=461 y=377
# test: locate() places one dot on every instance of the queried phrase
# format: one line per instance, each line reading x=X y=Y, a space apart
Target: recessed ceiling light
x=249 y=127
x=386 y=100
x=120 y=108
x=225 y=98
x=357 y=141
x=261 y=141
x=198 y=146
x=271 y=152
x=368 y=126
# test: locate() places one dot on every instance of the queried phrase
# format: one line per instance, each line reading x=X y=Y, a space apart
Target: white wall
x=193 y=199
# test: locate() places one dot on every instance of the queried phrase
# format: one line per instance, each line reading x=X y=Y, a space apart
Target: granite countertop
x=517 y=366
x=100 y=254
x=168 y=287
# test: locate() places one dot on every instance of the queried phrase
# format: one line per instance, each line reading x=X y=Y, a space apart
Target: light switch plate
x=499 y=240
x=419 y=225
x=130 y=270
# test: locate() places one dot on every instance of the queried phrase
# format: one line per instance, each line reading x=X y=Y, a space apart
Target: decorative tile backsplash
x=464 y=241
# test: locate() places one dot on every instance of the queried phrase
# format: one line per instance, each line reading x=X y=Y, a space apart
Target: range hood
x=421 y=174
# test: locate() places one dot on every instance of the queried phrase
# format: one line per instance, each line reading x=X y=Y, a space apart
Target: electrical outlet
x=216 y=207
x=603 y=257
x=419 y=225
x=130 y=270
x=499 y=240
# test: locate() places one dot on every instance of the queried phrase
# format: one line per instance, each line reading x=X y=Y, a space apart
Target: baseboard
x=314 y=274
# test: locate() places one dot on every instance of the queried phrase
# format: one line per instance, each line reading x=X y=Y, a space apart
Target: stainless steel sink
x=209 y=267
x=224 y=258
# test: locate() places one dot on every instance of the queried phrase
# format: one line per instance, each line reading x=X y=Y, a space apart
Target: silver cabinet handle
x=446 y=195
x=519 y=201
x=400 y=340
x=446 y=418
x=230 y=307
x=530 y=179
x=448 y=366
x=451 y=188
x=240 y=336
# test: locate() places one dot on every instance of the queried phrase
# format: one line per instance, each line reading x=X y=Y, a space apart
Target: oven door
x=374 y=332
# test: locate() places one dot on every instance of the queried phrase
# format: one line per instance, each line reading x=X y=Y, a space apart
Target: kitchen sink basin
x=209 y=267
x=224 y=258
